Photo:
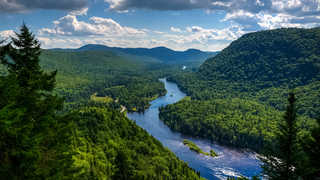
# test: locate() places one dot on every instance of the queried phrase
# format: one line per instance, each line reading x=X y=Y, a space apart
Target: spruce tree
x=33 y=138
x=281 y=163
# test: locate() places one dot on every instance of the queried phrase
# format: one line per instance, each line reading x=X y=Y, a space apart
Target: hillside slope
x=110 y=146
x=269 y=58
x=251 y=78
x=89 y=65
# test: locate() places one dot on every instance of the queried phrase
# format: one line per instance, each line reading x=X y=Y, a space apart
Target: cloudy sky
x=178 y=24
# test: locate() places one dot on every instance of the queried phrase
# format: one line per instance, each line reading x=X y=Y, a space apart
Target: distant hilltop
x=287 y=56
x=160 y=53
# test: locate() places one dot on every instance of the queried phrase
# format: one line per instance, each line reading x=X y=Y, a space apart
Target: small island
x=192 y=146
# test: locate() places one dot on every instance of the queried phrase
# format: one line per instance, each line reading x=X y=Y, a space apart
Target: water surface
x=230 y=162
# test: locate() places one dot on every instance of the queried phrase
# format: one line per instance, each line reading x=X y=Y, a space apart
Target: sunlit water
x=230 y=162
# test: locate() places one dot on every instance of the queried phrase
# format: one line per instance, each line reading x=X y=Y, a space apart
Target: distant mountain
x=288 y=56
x=163 y=54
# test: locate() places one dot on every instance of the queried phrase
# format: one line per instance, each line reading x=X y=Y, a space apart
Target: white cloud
x=106 y=25
x=68 y=32
x=55 y=42
x=176 y=30
x=221 y=4
x=114 y=3
x=194 y=29
x=80 y=12
x=267 y=21
x=6 y=34
x=241 y=14
x=156 y=32
x=69 y=25
x=203 y=35
x=283 y=5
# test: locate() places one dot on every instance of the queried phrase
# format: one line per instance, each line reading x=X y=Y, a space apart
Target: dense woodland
x=107 y=145
x=249 y=98
x=91 y=139
x=238 y=97
x=67 y=124
x=288 y=56
x=131 y=83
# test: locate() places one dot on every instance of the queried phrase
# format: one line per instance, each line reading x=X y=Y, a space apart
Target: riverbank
x=230 y=162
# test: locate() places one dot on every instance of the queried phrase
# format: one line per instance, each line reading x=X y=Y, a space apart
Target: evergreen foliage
x=110 y=146
x=284 y=164
x=269 y=58
x=311 y=146
x=33 y=137
x=132 y=83
x=252 y=78
x=93 y=140
x=230 y=103
x=234 y=122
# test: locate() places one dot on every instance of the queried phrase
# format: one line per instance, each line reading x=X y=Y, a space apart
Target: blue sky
x=208 y=25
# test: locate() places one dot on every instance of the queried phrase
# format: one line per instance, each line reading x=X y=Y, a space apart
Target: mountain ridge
x=95 y=46
x=161 y=53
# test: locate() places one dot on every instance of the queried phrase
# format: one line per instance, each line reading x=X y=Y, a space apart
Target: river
x=230 y=162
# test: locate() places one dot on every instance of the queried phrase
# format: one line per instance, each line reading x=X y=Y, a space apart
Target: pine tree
x=281 y=164
x=30 y=129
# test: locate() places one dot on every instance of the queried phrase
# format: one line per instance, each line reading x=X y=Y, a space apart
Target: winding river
x=230 y=162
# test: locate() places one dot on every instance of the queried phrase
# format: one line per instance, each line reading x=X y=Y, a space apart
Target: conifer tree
x=281 y=164
x=33 y=138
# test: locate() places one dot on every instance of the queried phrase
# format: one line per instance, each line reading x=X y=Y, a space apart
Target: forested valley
x=63 y=112
x=238 y=97
x=67 y=124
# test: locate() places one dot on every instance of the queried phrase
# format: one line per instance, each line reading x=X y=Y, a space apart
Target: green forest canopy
x=249 y=82
x=89 y=141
